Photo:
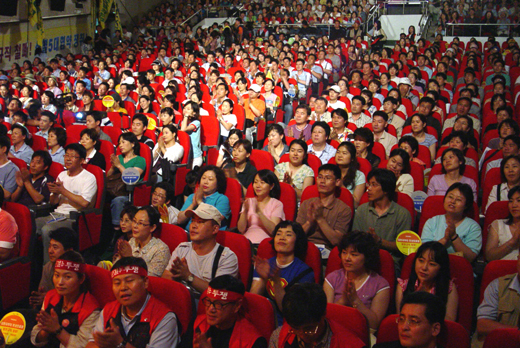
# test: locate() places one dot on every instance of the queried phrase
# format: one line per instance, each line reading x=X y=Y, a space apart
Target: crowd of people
x=319 y=143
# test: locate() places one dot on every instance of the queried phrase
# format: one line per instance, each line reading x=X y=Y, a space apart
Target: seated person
x=340 y=131
x=304 y=307
x=301 y=129
x=455 y=230
x=493 y=159
x=503 y=241
x=135 y=318
x=211 y=190
x=45 y=124
x=296 y=172
x=379 y=124
x=320 y=133
x=431 y=273
x=364 y=142
x=32 y=183
x=499 y=309
x=94 y=120
x=420 y=321
x=276 y=146
x=225 y=295
x=272 y=277
x=453 y=166
x=142 y=244
x=241 y=167
x=193 y=263
x=62 y=240
x=261 y=214
x=357 y=283
x=8 y=169
x=225 y=152
x=382 y=216
x=75 y=189
x=352 y=178
x=459 y=140
x=22 y=141
x=161 y=199
x=89 y=138
x=139 y=126
x=56 y=143
x=191 y=125
x=166 y=148
x=9 y=238
x=510 y=175
x=325 y=219
x=129 y=158
x=419 y=132
x=69 y=311
x=399 y=164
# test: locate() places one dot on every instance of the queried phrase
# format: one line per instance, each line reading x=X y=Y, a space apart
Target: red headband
x=224 y=295
x=129 y=270
x=69 y=266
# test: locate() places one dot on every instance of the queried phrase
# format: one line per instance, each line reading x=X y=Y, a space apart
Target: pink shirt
x=8 y=230
x=255 y=232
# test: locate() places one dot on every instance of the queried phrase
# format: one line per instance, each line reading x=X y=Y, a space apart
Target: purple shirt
x=366 y=292
x=296 y=132
x=438 y=186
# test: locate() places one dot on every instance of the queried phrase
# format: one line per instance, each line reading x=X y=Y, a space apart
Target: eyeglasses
x=218 y=305
x=309 y=330
x=411 y=322
x=140 y=224
x=70 y=156
x=326 y=177
x=158 y=195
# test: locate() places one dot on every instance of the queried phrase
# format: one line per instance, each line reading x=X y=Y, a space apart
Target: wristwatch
x=190 y=279
x=121 y=345
x=57 y=332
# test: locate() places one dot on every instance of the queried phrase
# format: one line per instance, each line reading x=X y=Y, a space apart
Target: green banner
x=104 y=10
x=35 y=18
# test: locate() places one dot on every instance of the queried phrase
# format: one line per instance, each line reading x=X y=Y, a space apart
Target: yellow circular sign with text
x=12 y=326
x=151 y=123
x=108 y=101
x=408 y=242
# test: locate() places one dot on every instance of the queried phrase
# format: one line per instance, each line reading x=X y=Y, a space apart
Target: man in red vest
x=304 y=307
x=223 y=323
x=135 y=319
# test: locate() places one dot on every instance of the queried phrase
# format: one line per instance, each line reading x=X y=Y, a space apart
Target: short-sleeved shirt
x=438 y=185
x=366 y=292
x=156 y=255
x=218 y=200
x=325 y=155
x=296 y=132
x=83 y=184
x=337 y=215
x=58 y=155
x=195 y=139
x=259 y=104
x=230 y=118
x=8 y=230
x=40 y=185
x=304 y=172
x=488 y=309
x=246 y=176
x=469 y=232
x=136 y=162
x=201 y=266
x=255 y=232
x=428 y=141
x=359 y=179
x=24 y=153
x=8 y=176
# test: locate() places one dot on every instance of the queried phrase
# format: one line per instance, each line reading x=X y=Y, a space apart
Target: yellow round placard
x=108 y=101
x=408 y=242
x=12 y=326
x=151 y=123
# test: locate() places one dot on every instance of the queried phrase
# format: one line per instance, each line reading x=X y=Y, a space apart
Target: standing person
x=254 y=108
x=135 y=318
x=191 y=125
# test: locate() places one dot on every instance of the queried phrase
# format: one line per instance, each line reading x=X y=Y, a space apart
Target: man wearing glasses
x=223 y=323
x=197 y=262
x=304 y=307
x=75 y=189
x=419 y=322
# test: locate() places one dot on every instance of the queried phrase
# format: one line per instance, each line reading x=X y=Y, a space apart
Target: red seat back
x=241 y=246
x=107 y=149
x=493 y=178
x=55 y=169
x=287 y=197
x=496 y=210
x=73 y=133
x=496 y=269
x=210 y=131
x=500 y=338
x=234 y=194
x=113 y=133
x=262 y=160
x=312 y=258
x=39 y=143
x=434 y=205
x=171 y=235
x=100 y=284
x=351 y=319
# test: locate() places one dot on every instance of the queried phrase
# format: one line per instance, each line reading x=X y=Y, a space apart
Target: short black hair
x=142 y=118
x=219 y=173
x=129 y=210
x=153 y=214
x=460 y=156
x=228 y=282
x=410 y=140
x=300 y=246
x=269 y=178
x=331 y=167
x=381 y=114
x=246 y=144
x=466 y=191
x=79 y=149
x=5 y=142
x=304 y=303
x=166 y=186
x=405 y=157
x=435 y=307
x=386 y=179
x=45 y=156
x=365 y=244
x=323 y=125
x=367 y=136
x=66 y=236
x=61 y=135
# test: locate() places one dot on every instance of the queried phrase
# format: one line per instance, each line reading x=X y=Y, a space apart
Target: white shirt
x=83 y=184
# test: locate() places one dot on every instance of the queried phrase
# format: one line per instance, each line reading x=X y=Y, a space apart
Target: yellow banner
x=105 y=7
x=118 y=18
x=35 y=18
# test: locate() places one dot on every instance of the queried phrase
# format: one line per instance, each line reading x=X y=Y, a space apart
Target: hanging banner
x=35 y=18
x=105 y=7
x=118 y=18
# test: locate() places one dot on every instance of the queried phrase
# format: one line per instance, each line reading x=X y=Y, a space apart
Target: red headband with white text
x=223 y=295
x=69 y=266
x=129 y=270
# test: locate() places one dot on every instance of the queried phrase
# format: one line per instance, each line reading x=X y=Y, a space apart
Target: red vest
x=341 y=337
x=152 y=314
x=83 y=308
x=244 y=333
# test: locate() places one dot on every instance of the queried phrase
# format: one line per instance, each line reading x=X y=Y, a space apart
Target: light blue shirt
x=58 y=156
x=218 y=200
x=24 y=153
x=195 y=139
x=468 y=231
x=325 y=155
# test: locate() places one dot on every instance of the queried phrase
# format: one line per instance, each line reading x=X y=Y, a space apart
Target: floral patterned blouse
x=304 y=172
